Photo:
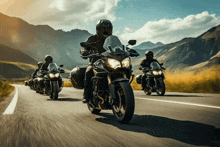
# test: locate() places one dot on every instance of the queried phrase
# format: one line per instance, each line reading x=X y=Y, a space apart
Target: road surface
x=176 y=119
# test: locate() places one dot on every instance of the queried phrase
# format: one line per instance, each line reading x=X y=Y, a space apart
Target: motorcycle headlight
x=155 y=73
x=57 y=75
x=38 y=78
x=126 y=62
x=51 y=75
x=114 y=63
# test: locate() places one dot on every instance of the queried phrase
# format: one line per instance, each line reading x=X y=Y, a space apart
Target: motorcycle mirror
x=61 y=65
x=132 y=42
x=62 y=71
x=84 y=44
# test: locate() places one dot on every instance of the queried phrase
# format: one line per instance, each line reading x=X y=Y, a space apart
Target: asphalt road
x=176 y=119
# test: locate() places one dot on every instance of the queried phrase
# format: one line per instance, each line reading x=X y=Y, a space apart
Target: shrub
x=5 y=89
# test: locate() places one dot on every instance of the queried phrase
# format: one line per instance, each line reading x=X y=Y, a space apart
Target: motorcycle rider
x=146 y=64
x=48 y=60
x=103 y=30
x=39 y=64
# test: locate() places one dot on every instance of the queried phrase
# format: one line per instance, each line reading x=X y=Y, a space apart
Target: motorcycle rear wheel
x=123 y=108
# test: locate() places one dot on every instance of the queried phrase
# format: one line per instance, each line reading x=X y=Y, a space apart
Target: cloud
x=61 y=14
x=171 y=30
x=127 y=30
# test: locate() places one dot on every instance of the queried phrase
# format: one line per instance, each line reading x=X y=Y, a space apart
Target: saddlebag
x=138 y=79
x=77 y=76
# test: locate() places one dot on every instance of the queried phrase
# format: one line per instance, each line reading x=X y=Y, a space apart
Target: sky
x=163 y=21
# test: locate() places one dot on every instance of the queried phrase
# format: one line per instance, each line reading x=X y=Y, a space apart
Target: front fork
x=157 y=81
x=111 y=85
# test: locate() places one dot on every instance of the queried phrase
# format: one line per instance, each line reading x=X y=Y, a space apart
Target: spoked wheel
x=92 y=108
x=161 y=90
x=123 y=108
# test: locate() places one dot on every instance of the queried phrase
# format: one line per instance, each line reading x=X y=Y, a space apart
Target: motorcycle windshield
x=52 y=67
x=113 y=43
x=155 y=65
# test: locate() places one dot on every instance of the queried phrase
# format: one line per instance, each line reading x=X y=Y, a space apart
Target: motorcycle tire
x=147 y=92
x=123 y=108
x=162 y=89
x=55 y=90
x=92 y=109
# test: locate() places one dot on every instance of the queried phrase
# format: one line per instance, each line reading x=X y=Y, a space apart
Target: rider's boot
x=87 y=92
x=143 y=84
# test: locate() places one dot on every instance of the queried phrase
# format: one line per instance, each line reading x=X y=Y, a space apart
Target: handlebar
x=43 y=71
x=134 y=54
x=92 y=56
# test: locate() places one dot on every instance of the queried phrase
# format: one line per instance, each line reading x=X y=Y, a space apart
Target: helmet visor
x=150 y=56
x=105 y=31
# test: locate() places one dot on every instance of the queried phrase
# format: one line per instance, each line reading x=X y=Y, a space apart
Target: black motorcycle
x=29 y=82
x=38 y=82
x=52 y=81
x=154 y=79
x=111 y=87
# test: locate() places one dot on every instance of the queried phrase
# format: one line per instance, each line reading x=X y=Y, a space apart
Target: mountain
x=15 y=64
x=190 y=51
x=148 y=45
x=16 y=70
x=212 y=62
x=13 y=55
x=38 y=41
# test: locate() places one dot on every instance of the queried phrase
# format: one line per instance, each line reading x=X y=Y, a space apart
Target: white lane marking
x=11 y=107
x=183 y=103
x=166 y=101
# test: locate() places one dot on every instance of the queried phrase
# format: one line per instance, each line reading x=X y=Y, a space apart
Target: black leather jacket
x=44 y=66
x=146 y=63
x=95 y=41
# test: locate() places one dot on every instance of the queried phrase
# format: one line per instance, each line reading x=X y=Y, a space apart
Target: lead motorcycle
x=154 y=79
x=111 y=87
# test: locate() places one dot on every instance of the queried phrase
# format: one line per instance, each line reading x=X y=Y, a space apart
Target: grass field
x=5 y=89
x=206 y=81
x=23 y=66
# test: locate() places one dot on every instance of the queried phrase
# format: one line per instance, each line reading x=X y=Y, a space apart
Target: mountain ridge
x=40 y=40
x=189 y=51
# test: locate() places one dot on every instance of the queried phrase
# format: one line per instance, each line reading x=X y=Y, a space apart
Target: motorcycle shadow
x=184 y=131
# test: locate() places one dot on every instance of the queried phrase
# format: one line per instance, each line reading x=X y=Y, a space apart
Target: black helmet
x=149 y=55
x=39 y=64
x=48 y=59
x=104 y=28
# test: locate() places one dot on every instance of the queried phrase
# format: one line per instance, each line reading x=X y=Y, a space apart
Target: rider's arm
x=35 y=72
x=86 y=50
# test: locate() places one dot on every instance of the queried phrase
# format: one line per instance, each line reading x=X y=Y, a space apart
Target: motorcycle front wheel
x=55 y=90
x=123 y=108
x=92 y=108
x=161 y=90
x=147 y=92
